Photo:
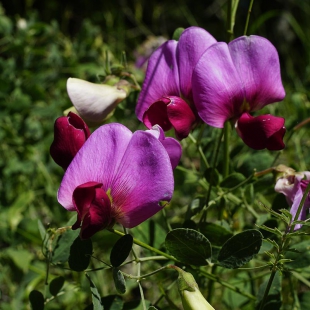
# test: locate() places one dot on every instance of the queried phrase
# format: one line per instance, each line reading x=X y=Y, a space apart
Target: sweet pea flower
x=231 y=80
x=94 y=102
x=70 y=133
x=117 y=176
x=293 y=187
x=166 y=96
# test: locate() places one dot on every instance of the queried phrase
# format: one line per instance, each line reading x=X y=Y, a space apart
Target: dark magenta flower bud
x=70 y=133
x=264 y=131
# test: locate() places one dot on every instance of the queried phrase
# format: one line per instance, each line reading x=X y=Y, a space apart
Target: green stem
x=226 y=149
x=200 y=151
x=248 y=17
x=273 y=273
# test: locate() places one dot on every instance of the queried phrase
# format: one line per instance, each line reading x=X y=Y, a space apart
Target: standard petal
x=193 y=42
x=144 y=179
x=161 y=79
x=264 y=131
x=217 y=89
x=94 y=102
x=257 y=62
x=97 y=161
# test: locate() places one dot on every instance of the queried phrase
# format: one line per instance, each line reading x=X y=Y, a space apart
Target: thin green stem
x=248 y=17
x=273 y=273
x=226 y=149
x=200 y=151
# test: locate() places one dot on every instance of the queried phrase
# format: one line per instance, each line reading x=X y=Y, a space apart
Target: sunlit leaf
x=97 y=305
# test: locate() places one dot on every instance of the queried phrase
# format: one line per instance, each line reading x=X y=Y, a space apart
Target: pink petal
x=70 y=133
x=161 y=79
x=172 y=146
x=97 y=161
x=156 y=114
x=192 y=44
x=144 y=179
x=217 y=89
x=257 y=63
x=180 y=116
x=264 y=131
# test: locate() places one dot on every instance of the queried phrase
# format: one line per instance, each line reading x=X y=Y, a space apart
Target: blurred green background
x=42 y=43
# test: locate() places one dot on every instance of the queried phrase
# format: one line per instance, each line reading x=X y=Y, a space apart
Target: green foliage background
x=64 y=39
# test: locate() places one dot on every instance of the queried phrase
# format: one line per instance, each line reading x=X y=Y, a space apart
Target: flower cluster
x=199 y=78
x=113 y=175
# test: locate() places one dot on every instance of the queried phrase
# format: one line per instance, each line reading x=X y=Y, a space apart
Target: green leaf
x=61 y=246
x=121 y=250
x=240 y=249
x=36 y=300
x=177 y=33
x=112 y=302
x=232 y=180
x=80 y=254
x=152 y=308
x=119 y=281
x=42 y=230
x=273 y=301
x=97 y=305
x=267 y=229
x=56 y=285
x=216 y=234
x=189 y=246
x=20 y=257
x=301 y=256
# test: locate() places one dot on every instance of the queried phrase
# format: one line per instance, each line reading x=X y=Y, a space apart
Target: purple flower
x=117 y=176
x=293 y=187
x=70 y=133
x=166 y=97
x=236 y=78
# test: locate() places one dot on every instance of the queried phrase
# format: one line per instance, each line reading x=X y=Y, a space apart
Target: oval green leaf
x=189 y=246
x=121 y=250
x=119 y=281
x=56 y=285
x=80 y=253
x=36 y=300
x=240 y=249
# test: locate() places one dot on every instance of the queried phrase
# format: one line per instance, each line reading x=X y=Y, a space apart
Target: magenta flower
x=117 y=176
x=70 y=133
x=293 y=187
x=231 y=80
x=166 y=97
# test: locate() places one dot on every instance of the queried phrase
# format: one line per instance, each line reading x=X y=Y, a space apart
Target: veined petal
x=264 y=131
x=97 y=161
x=257 y=63
x=144 y=179
x=192 y=44
x=94 y=102
x=217 y=88
x=161 y=79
